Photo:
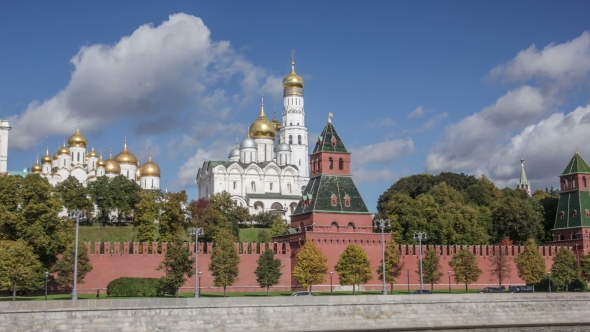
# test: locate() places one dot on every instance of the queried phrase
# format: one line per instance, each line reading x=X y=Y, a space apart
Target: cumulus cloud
x=383 y=152
x=524 y=122
x=383 y=122
x=155 y=75
x=417 y=113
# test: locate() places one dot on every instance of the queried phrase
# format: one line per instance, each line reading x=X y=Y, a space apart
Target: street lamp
x=449 y=281
x=46 y=276
x=381 y=223
x=196 y=232
x=76 y=214
x=419 y=236
x=549 y=273
x=331 y=291
x=200 y=283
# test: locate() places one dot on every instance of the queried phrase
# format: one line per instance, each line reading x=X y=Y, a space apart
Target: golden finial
x=577 y=150
x=330 y=115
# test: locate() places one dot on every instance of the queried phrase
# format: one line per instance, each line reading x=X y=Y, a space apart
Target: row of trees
x=461 y=209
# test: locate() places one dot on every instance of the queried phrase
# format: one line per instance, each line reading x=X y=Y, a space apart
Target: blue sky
x=421 y=86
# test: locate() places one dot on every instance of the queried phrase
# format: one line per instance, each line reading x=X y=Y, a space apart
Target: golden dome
x=262 y=128
x=293 y=80
x=46 y=158
x=150 y=168
x=126 y=157
x=100 y=163
x=55 y=156
x=276 y=123
x=63 y=151
x=92 y=154
x=112 y=166
x=77 y=140
x=37 y=169
x=138 y=172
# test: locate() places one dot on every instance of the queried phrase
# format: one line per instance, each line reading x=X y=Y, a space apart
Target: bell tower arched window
x=298 y=139
x=330 y=163
x=290 y=139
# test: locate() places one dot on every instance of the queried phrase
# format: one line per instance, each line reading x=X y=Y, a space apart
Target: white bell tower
x=4 y=128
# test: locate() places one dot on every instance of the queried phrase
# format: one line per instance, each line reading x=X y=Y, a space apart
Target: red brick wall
x=126 y=264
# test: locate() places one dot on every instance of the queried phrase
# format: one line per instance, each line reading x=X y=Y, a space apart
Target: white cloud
x=155 y=75
x=417 y=113
x=383 y=122
x=187 y=173
x=366 y=175
x=432 y=122
x=383 y=152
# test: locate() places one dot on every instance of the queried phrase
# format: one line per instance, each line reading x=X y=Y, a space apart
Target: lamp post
x=331 y=291
x=200 y=273
x=196 y=231
x=381 y=223
x=549 y=273
x=449 y=281
x=76 y=214
x=419 y=236
x=46 y=276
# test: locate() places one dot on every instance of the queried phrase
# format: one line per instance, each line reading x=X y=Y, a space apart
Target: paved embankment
x=322 y=313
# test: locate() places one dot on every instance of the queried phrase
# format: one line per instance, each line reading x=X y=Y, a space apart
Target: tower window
x=290 y=139
x=298 y=139
x=334 y=200
x=78 y=156
x=587 y=213
x=341 y=164
x=584 y=181
x=561 y=215
x=253 y=184
x=270 y=186
x=330 y=163
x=299 y=162
x=289 y=188
x=575 y=214
x=298 y=123
x=347 y=201
x=290 y=123
x=235 y=184
x=333 y=141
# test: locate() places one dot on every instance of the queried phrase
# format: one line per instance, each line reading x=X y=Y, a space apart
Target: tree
x=73 y=194
x=224 y=259
x=585 y=267
x=264 y=236
x=311 y=265
x=530 y=263
x=268 y=271
x=500 y=265
x=264 y=219
x=431 y=268
x=19 y=266
x=124 y=194
x=353 y=267
x=147 y=211
x=565 y=268
x=279 y=227
x=517 y=218
x=223 y=203
x=101 y=196
x=464 y=266
x=64 y=267
x=393 y=264
x=178 y=266
x=173 y=217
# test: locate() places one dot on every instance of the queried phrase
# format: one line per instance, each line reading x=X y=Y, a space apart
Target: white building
x=4 y=128
x=74 y=160
x=269 y=168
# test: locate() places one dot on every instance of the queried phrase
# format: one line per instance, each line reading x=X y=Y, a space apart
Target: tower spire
x=523 y=184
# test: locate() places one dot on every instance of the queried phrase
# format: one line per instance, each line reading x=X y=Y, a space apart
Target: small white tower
x=47 y=162
x=77 y=144
x=248 y=150
x=4 y=128
x=92 y=160
x=283 y=154
x=64 y=159
x=150 y=175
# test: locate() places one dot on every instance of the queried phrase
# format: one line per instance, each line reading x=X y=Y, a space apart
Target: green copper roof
x=571 y=210
x=320 y=190
x=576 y=165
x=329 y=141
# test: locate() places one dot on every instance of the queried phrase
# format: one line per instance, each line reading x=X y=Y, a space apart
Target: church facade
x=269 y=169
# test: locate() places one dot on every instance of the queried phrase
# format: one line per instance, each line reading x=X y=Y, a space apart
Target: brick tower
x=572 y=221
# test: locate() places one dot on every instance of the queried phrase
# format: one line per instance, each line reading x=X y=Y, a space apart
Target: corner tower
x=293 y=131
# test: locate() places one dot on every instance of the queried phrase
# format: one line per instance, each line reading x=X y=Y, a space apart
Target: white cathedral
x=269 y=169
x=74 y=160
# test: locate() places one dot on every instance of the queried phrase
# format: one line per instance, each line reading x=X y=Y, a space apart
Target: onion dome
x=46 y=158
x=55 y=156
x=293 y=80
x=235 y=152
x=63 y=151
x=150 y=168
x=92 y=154
x=283 y=147
x=100 y=163
x=248 y=143
x=112 y=166
x=126 y=157
x=276 y=123
x=37 y=169
x=262 y=128
x=77 y=140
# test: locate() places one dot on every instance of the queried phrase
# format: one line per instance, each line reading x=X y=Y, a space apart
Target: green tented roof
x=320 y=190
x=329 y=141
x=576 y=165
x=577 y=201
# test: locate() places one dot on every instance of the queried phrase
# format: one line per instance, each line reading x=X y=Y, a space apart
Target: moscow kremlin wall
x=332 y=214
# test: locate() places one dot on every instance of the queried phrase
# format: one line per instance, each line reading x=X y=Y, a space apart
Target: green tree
x=311 y=265
x=173 y=217
x=147 y=211
x=223 y=203
x=178 y=266
x=464 y=266
x=125 y=195
x=393 y=263
x=73 y=194
x=264 y=219
x=101 y=195
x=19 y=266
x=279 y=226
x=530 y=263
x=268 y=271
x=517 y=218
x=224 y=259
x=264 y=236
x=565 y=268
x=64 y=267
x=585 y=267
x=431 y=268
x=353 y=267
x=500 y=265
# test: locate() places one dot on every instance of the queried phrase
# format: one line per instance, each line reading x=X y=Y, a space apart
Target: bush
x=132 y=287
x=578 y=285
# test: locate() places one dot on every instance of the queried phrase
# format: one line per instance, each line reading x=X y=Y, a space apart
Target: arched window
x=235 y=184
x=334 y=200
x=78 y=156
x=64 y=163
x=330 y=163
x=299 y=162
x=333 y=141
x=276 y=206
x=270 y=186
x=290 y=139
x=561 y=215
x=573 y=182
x=153 y=187
x=298 y=139
x=289 y=187
x=584 y=181
x=347 y=201
x=253 y=185
x=341 y=164
x=575 y=214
